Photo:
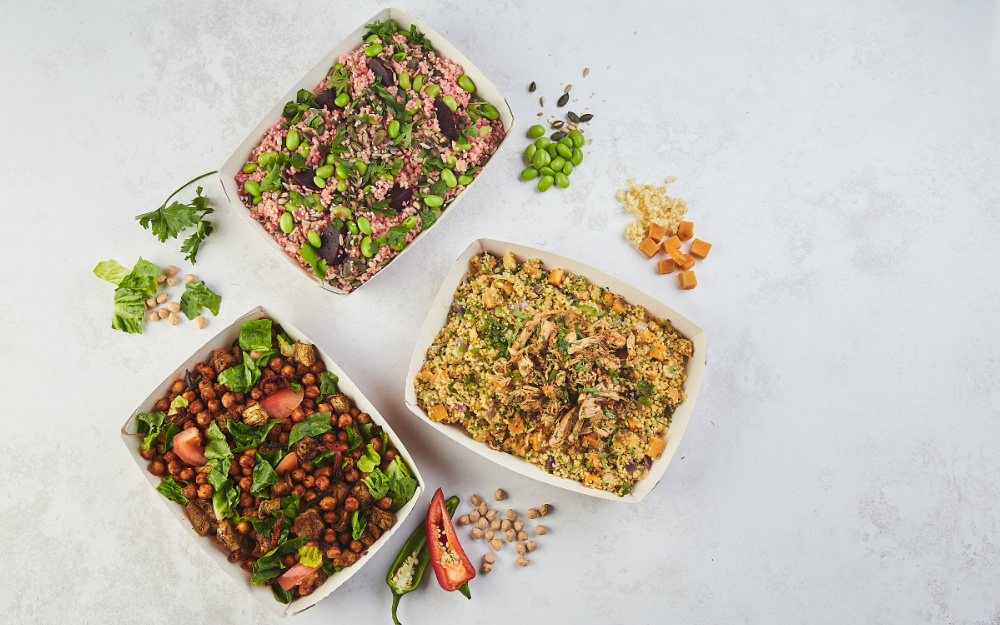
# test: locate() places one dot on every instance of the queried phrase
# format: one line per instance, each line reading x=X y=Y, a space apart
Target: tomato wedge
x=449 y=561
x=288 y=463
x=282 y=403
x=294 y=576
x=187 y=446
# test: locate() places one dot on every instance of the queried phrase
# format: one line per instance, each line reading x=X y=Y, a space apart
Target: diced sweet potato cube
x=645 y=337
x=699 y=248
x=425 y=375
x=666 y=265
x=538 y=440
x=687 y=263
x=530 y=269
x=659 y=352
x=685 y=230
x=673 y=242
x=590 y=440
x=556 y=277
x=673 y=394
x=608 y=299
x=687 y=280
x=654 y=449
x=491 y=297
x=592 y=481
x=649 y=247
x=676 y=255
x=516 y=426
x=438 y=412
x=619 y=306
x=657 y=232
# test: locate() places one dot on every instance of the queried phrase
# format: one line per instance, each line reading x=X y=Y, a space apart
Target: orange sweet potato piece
x=666 y=266
x=659 y=352
x=618 y=307
x=687 y=263
x=516 y=426
x=645 y=337
x=699 y=248
x=654 y=449
x=673 y=242
x=685 y=230
x=556 y=277
x=673 y=394
x=590 y=440
x=591 y=480
x=649 y=247
x=676 y=255
x=657 y=232
x=687 y=280
x=438 y=412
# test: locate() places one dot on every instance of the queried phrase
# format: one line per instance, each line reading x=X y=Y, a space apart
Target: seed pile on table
x=552 y=159
x=488 y=525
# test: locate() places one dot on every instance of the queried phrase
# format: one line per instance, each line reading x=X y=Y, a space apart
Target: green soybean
x=536 y=131
x=432 y=90
x=319 y=182
x=543 y=142
x=418 y=83
x=465 y=180
x=450 y=103
x=366 y=247
x=341 y=185
x=342 y=100
x=341 y=172
x=577 y=138
x=361 y=167
x=410 y=221
x=547 y=171
x=449 y=178
x=249 y=168
x=541 y=159
x=529 y=152
x=529 y=173
x=287 y=223
x=552 y=151
x=490 y=112
x=404 y=80
x=564 y=151
x=308 y=253
x=352 y=227
x=544 y=183
x=568 y=168
x=266 y=158
x=304 y=149
x=394 y=128
x=373 y=49
x=567 y=142
x=314 y=239
x=331 y=159
x=577 y=157
x=433 y=200
x=252 y=187
x=557 y=163
x=364 y=225
x=325 y=171
x=257 y=199
x=342 y=211
x=292 y=139
x=562 y=180
x=466 y=83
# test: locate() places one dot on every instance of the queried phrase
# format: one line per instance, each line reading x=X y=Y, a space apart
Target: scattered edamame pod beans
x=577 y=138
x=490 y=112
x=466 y=83
x=342 y=100
x=567 y=142
x=366 y=247
x=287 y=223
x=341 y=172
x=361 y=166
x=449 y=178
x=568 y=168
x=394 y=128
x=418 y=83
x=562 y=180
x=546 y=171
x=314 y=239
x=432 y=90
x=325 y=171
x=341 y=186
x=364 y=225
x=450 y=103
x=541 y=159
x=577 y=157
x=536 y=131
x=292 y=140
x=257 y=199
x=353 y=227
x=564 y=151
x=433 y=200
x=410 y=221
x=465 y=180
x=404 y=80
x=252 y=187
x=543 y=142
x=545 y=182
x=319 y=182
x=529 y=152
x=373 y=50
x=331 y=159
x=557 y=163
x=529 y=173
x=249 y=168
x=265 y=159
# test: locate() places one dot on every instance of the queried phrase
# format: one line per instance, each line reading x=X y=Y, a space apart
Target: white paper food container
x=438 y=315
x=234 y=164
x=226 y=338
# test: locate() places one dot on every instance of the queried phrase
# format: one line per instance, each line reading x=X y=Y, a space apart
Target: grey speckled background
x=842 y=462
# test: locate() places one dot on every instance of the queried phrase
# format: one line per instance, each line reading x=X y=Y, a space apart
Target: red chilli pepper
x=450 y=563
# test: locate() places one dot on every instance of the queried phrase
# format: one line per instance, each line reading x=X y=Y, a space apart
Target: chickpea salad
x=358 y=167
x=546 y=366
x=291 y=478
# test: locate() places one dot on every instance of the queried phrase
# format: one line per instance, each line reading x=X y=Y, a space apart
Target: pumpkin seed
x=557 y=124
x=532 y=86
x=573 y=117
x=381 y=135
x=586 y=117
x=563 y=99
x=558 y=135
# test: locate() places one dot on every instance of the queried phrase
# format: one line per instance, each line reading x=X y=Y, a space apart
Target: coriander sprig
x=169 y=221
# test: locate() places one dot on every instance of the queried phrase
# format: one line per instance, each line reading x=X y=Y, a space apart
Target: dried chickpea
x=172 y=281
x=483 y=508
x=520 y=549
x=200 y=323
x=153 y=316
x=477 y=533
x=492 y=515
x=173 y=319
x=531 y=545
x=172 y=270
x=474 y=516
x=522 y=561
x=162 y=298
x=160 y=279
x=545 y=509
x=173 y=307
x=151 y=302
x=489 y=534
x=511 y=515
x=505 y=525
x=541 y=529
x=495 y=524
x=518 y=525
x=522 y=535
x=475 y=500
x=489 y=557
x=190 y=278
x=483 y=523
x=463 y=520
x=496 y=544
x=163 y=313
x=510 y=536
x=499 y=495
x=487 y=567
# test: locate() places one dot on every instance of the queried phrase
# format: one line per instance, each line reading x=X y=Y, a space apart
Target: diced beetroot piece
x=446 y=119
x=325 y=99
x=400 y=197
x=305 y=178
x=383 y=72
x=330 y=248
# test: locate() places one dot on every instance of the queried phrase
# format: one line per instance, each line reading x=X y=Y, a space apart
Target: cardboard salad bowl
x=226 y=338
x=234 y=164
x=438 y=315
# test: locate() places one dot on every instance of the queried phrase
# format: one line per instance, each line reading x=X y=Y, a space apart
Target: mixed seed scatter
x=553 y=159
x=546 y=366
x=361 y=165
x=265 y=453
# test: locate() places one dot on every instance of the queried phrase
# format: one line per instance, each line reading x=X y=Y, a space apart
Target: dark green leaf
x=193 y=243
x=328 y=383
x=217 y=451
x=196 y=295
x=353 y=440
x=359 y=521
x=248 y=436
x=428 y=216
x=236 y=379
x=281 y=595
x=401 y=484
x=172 y=490
x=314 y=425
x=168 y=221
x=378 y=483
x=263 y=477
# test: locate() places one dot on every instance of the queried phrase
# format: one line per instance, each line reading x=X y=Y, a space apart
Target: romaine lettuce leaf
x=401 y=484
x=256 y=335
x=236 y=378
x=226 y=497
x=217 y=451
x=248 y=436
x=378 y=483
x=310 y=556
x=263 y=477
x=328 y=383
x=359 y=521
x=196 y=295
x=369 y=459
x=110 y=270
x=314 y=425
x=172 y=490
x=128 y=310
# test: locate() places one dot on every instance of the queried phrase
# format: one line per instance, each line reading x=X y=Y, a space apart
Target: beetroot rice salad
x=356 y=169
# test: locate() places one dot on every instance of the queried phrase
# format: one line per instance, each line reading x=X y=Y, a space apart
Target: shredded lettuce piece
x=310 y=556
x=110 y=270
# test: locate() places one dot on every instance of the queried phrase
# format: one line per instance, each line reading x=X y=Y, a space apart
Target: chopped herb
x=169 y=221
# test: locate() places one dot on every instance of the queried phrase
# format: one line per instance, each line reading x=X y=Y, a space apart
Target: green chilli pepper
x=408 y=570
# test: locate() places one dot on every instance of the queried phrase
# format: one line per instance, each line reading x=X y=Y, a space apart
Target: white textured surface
x=841 y=465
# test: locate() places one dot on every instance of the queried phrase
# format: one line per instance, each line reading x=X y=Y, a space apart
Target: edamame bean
x=450 y=103
x=257 y=199
x=331 y=159
x=373 y=50
x=364 y=225
x=404 y=80
x=319 y=182
x=266 y=158
x=544 y=183
x=342 y=211
x=410 y=221
x=341 y=172
x=562 y=181
x=308 y=253
x=536 y=131
x=394 y=128
x=342 y=100
x=568 y=168
x=304 y=149
x=577 y=157
x=433 y=200
x=465 y=180
x=529 y=152
x=352 y=227
x=325 y=171
x=366 y=247
x=564 y=151
x=490 y=112
x=249 y=168
x=547 y=171
x=292 y=140
x=361 y=167
x=418 y=83
x=577 y=138
x=287 y=222
x=314 y=239
x=341 y=185
x=543 y=142
x=529 y=173
x=541 y=159
x=567 y=142
x=252 y=187
x=466 y=83
x=557 y=163
x=432 y=90
x=449 y=178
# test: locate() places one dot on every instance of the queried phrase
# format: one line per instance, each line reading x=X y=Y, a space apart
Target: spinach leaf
x=263 y=477
x=323 y=456
x=378 y=483
x=196 y=295
x=236 y=379
x=269 y=565
x=248 y=436
x=274 y=456
x=369 y=459
x=438 y=188
x=172 y=490
x=281 y=595
x=353 y=439
x=256 y=335
x=314 y=425
x=401 y=484
x=290 y=506
x=328 y=383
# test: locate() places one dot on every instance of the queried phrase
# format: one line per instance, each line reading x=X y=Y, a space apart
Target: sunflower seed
x=568 y=88
x=532 y=86
x=586 y=70
x=563 y=99
x=558 y=135
x=586 y=117
x=541 y=100
x=557 y=124
x=573 y=117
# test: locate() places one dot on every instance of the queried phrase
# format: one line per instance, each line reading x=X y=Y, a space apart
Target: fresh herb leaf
x=111 y=271
x=328 y=383
x=314 y=425
x=193 y=243
x=169 y=221
x=272 y=179
x=381 y=207
x=405 y=136
x=338 y=78
x=255 y=335
x=438 y=188
x=172 y=490
x=396 y=235
x=428 y=216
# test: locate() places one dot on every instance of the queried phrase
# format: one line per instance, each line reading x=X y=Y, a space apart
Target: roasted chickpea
x=148 y=454
x=247 y=471
x=275 y=364
x=309 y=481
x=269 y=388
x=283 y=438
x=205 y=491
x=322 y=483
x=170 y=457
x=306 y=589
x=342 y=436
x=310 y=495
x=309 y=405
x=299 y=490
x=290 y=560
x=344 y=538
x=384 y=503
x=252 y=452
x=246 y=483
x=256 y=393
x=347 y=463
x=268 y=376
x=327 y=504
x=189 y=423
x=389 y=454
x=288 y=372
x=352 y=475
x=326 y=471
x=243 y=527
x=186 y=474
x=324 y=407
x=201 y=478
x=357 y=546
x=329 y=536
x=208 y=395
x=376 y=444
x=301 y=370
x=246 y=461
x=246 y=500
x=330 y=518
x=219 y=389
x=178 y=387
x=308 y=378
x=351 y=504
x=189 y=396
x=356 y=454
x=333 y=552
x=274 y=435
x=203 y=418
x=240 y=397
x=235 y=468
x=345 y=420
x=362 y=417
x=228 y=400
x=298 y=416
x=298 y=475
x=214 y=406
x=329 y=438
x=157 y=467
x=163 y=405
x=196 y=406
x=190 y=491
x=318 y=367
